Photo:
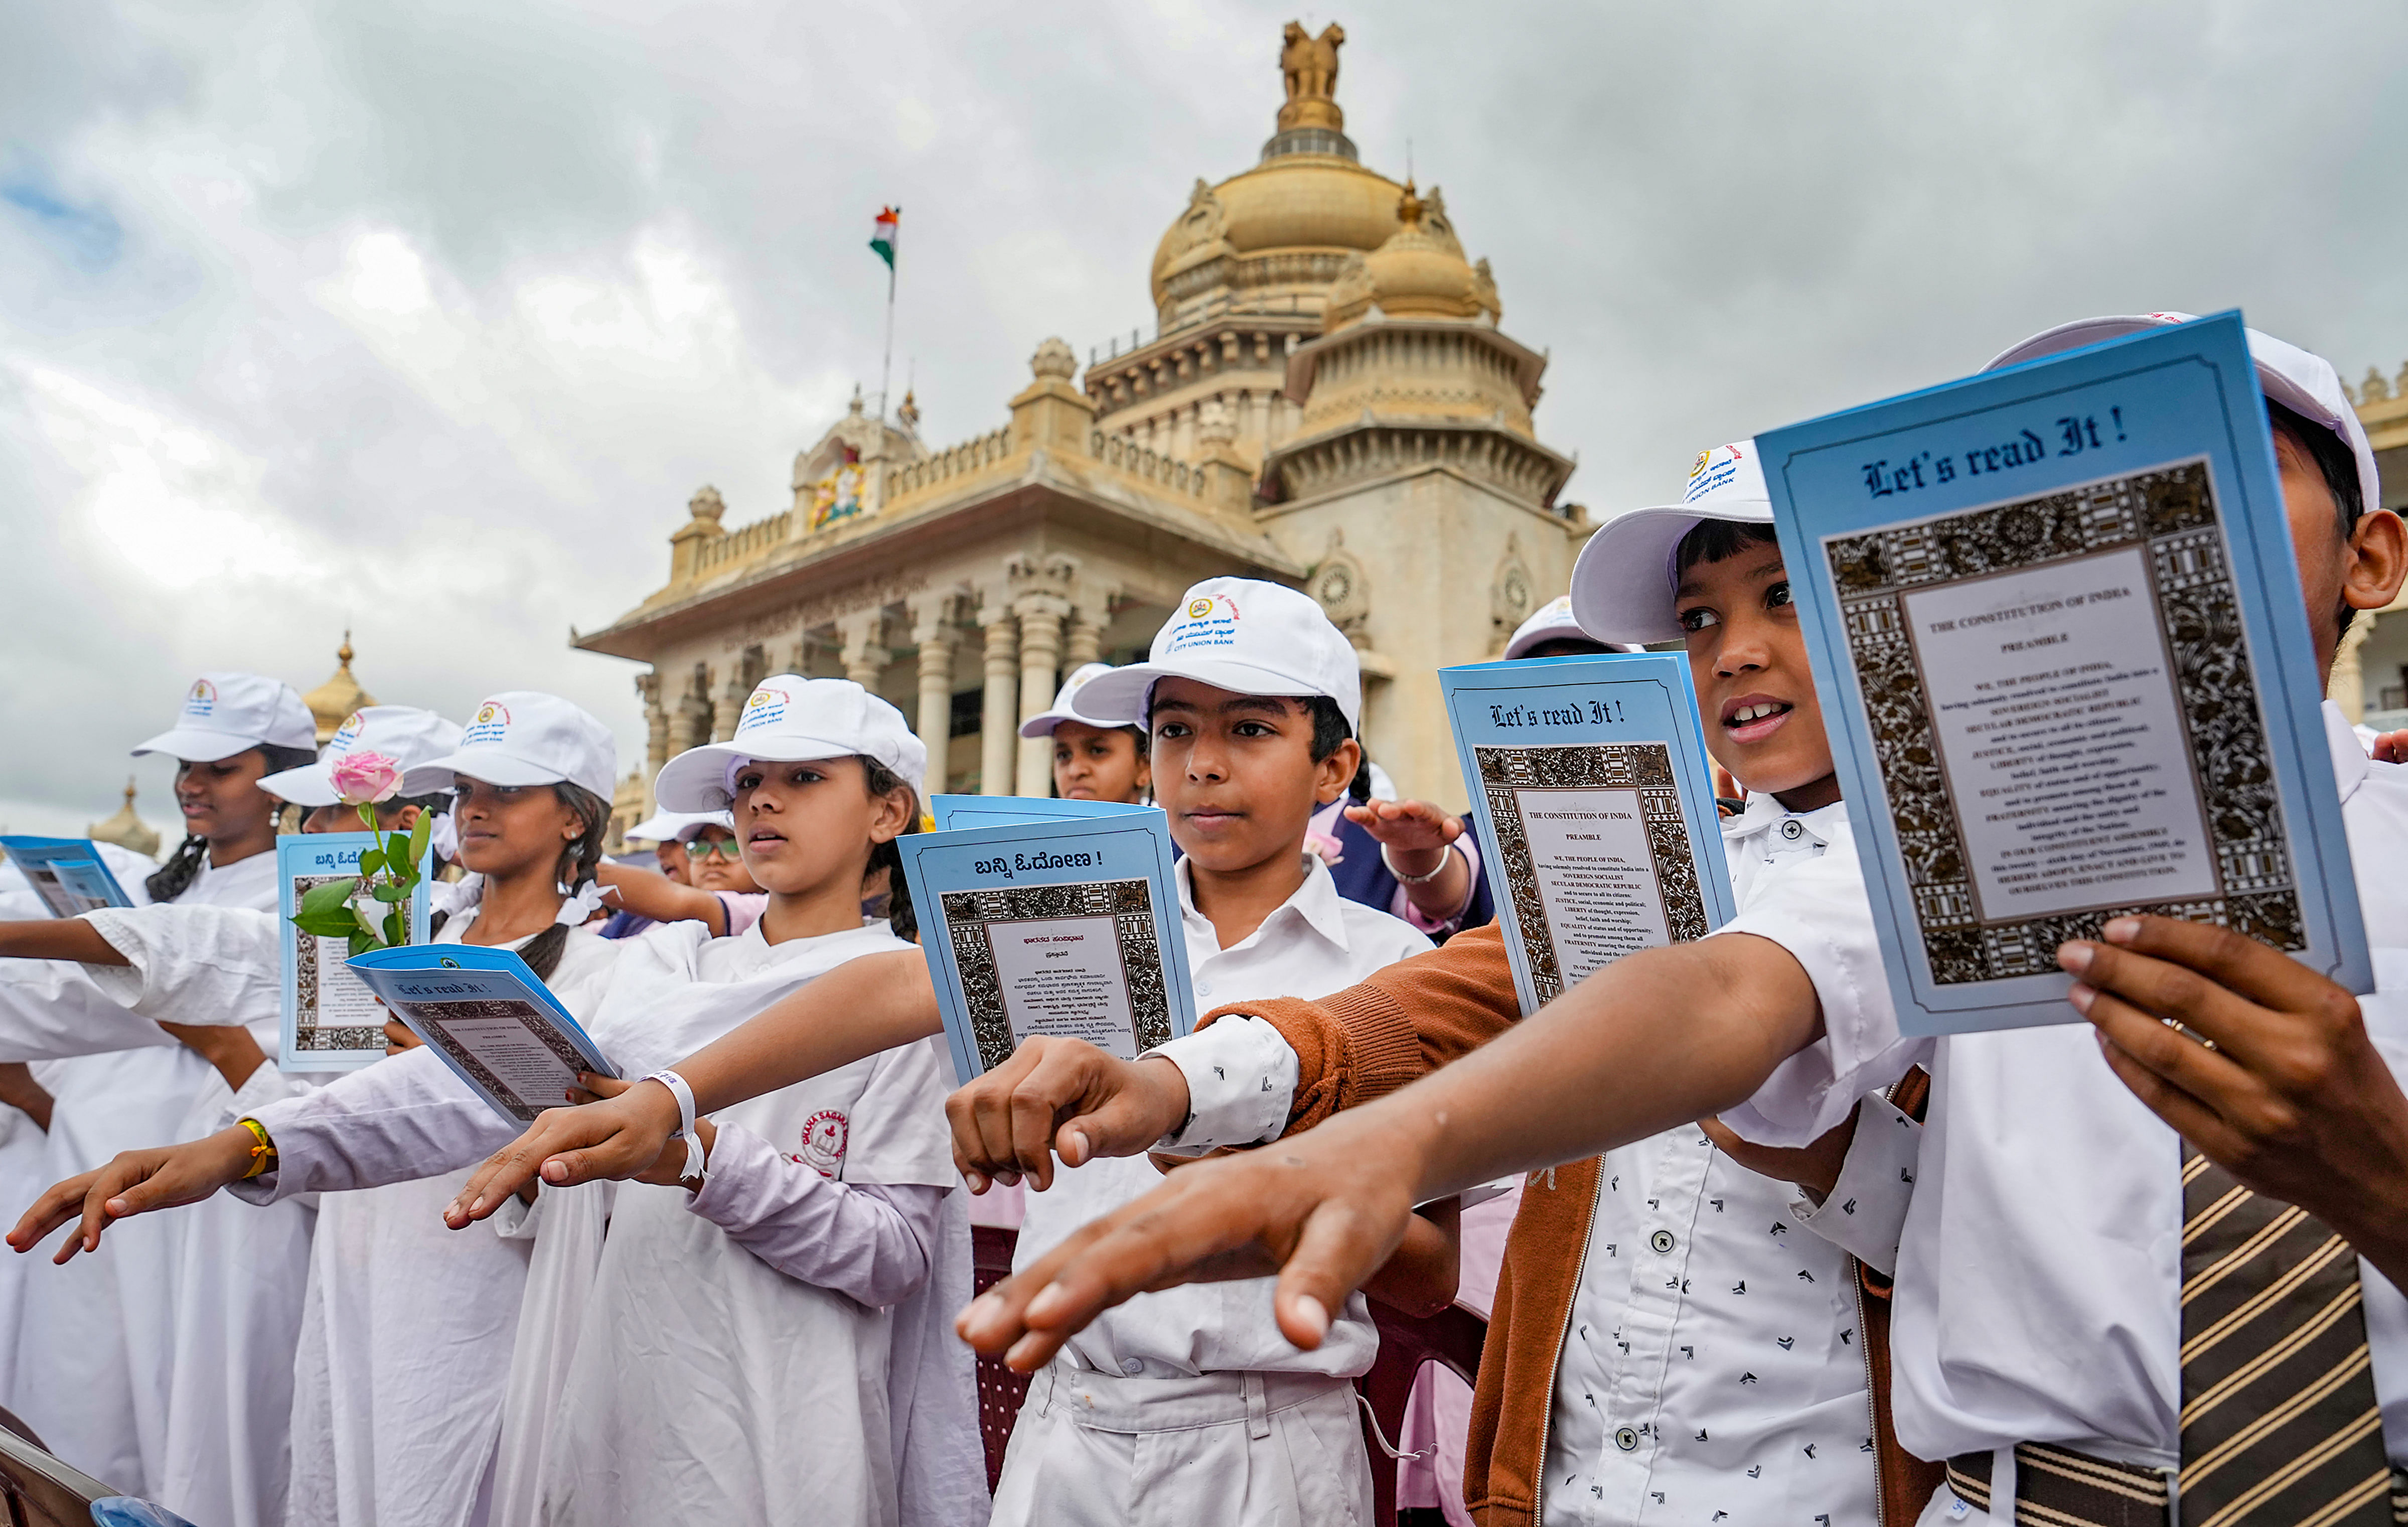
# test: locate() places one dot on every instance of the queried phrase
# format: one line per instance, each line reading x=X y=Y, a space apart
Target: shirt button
x=1132 y=1366
x=1204 y=989
x=1626 y=1439
x=1791 y=830
x=1662 y=1242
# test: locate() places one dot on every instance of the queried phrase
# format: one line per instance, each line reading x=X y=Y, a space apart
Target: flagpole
x=887 y=369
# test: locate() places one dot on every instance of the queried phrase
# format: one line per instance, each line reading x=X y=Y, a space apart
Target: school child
x=2057 y=1250
x=114 y=1329
x=716 y=889
x=1092 y=762
x=667 y=832
x=770 y=1286
x=1250 y=698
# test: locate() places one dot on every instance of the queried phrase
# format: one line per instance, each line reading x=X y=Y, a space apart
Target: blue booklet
x=67 y=873
x=331 y=1021
x=1594 y=800
x=1067 y=925
x=490 y=1018
x=954 y=813
x=2057 y=631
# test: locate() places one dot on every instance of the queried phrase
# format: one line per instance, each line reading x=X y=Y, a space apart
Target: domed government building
x=1327 y=400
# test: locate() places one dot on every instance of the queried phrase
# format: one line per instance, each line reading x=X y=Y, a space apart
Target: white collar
x=1763 y=814
x=1316 y=901
x=2349 y=762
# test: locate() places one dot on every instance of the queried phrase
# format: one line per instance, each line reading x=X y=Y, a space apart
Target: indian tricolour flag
x=882 y=234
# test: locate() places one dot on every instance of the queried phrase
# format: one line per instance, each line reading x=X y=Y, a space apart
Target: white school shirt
x=1712 y=1371
x=706 y=1384
x=2038 y=1279
x=1314 y=943
x=109 y=1318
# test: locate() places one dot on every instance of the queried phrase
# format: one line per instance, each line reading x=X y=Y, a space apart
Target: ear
x=406 y=819
x=2378 y=560
x=1334 y=773
x=1144 y=774
x=897 y=808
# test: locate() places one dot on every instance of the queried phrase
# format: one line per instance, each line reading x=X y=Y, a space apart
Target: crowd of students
x=1768 y=1260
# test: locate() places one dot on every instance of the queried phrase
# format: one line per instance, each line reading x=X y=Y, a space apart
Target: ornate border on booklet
x=1128 y=902
x=433 y=1015
x=2170 y=513
x=310 y=1037
x=1643 y=767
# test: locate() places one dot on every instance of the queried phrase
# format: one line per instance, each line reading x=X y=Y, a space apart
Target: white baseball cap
x=525 y=737
x=791 y=719
x=225 y=713
x=1622 y=585
x=1553 y=622
x=679 y=827
x=410 y=737
x=2303 y=383
x=1238 y=634
x=1044 y=722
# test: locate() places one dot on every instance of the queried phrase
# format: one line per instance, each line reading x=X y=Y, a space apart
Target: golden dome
x=333 y=702
x=1282 y=229
x=1418 y=272
x=126 y=830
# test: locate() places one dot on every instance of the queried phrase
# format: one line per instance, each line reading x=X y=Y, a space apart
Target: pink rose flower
x=365 y=779
x=1321 y=846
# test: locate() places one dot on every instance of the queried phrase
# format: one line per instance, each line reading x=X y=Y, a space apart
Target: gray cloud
x=427 y=319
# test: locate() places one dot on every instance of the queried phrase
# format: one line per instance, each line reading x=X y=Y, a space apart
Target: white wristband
x=697 y=1171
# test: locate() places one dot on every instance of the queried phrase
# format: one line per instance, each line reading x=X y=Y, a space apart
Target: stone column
x=936 y=636
x=1040 y=656
x=656 y=731
x=723 y=715
x=1082 y=641
x=865 y=647
x=998 y=719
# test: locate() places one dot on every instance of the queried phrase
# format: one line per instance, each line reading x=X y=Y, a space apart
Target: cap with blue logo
x=226 y=713
x=1622 y=585
x=791 y=719
x=411 y=738
x=1238 y=634
x=525 y=737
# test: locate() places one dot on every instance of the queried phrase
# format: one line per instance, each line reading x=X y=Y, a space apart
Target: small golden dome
x=127 y=830
x=332 y=703
x=1418 y=272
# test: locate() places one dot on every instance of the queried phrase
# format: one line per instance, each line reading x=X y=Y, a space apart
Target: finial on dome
x=1409 y=206
x=343 y=653
x=1308 y=64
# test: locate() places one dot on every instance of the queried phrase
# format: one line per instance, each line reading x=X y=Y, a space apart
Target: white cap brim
x=313 y=785
x=696 y=778
x=195 y=744
x=1044 y=722
x=677 y=826
x=1118 y=698
x=493 y=766
x=1622 y=585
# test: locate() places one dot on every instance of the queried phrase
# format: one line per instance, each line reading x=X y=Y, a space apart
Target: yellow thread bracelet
x=262 y=1153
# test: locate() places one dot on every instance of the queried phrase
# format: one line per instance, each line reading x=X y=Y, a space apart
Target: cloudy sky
x=427 y=319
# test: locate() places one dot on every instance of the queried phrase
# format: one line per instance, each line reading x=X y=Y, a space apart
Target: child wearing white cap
x=645 y=1363
x=115 y=1328
x=1092 y=762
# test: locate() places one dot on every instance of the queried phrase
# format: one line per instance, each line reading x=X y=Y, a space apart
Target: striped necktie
x=2279 y=1418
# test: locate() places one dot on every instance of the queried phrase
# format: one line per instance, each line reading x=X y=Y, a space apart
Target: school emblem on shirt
x=767 y=705
x=346 y=736
x=203 y=700
x=824 y=1134
x=491 y=724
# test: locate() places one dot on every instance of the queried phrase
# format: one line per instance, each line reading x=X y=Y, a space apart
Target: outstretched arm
x=59 y=938
x=1654 y=1040
x=648 y=893
x=860 y=1007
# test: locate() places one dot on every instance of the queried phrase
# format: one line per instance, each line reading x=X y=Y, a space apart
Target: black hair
x=1359 y=788
x=573 y=869
x=175 y=877
x=1711 y=540
x=2338 y=466
x=878 y=780
x=1330 y=727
